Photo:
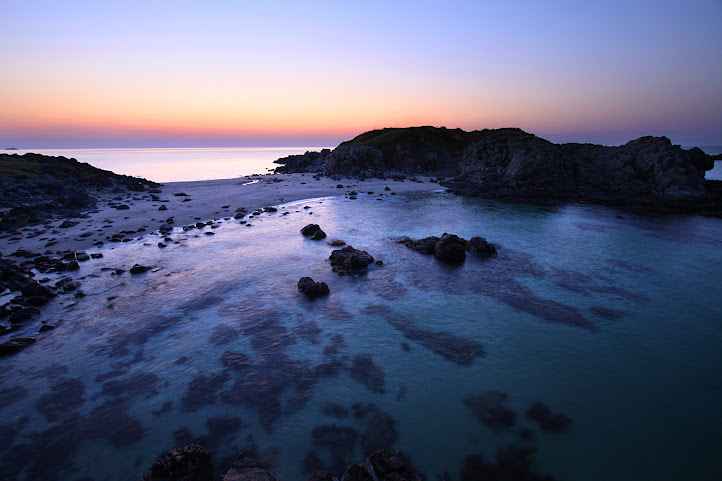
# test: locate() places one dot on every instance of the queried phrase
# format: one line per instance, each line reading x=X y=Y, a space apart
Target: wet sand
x=204 y=201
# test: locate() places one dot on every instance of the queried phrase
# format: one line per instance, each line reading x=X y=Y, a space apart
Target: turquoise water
x=608 y=318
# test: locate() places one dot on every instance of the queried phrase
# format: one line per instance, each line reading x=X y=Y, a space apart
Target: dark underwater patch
x=451 y=347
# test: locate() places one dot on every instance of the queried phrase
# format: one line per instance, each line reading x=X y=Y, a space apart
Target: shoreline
x=204 y=200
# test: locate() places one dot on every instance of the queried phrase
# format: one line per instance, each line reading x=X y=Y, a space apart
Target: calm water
x=180 y=164
x=613 y=322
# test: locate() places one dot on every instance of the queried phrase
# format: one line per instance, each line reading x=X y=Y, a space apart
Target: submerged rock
x=365 y=371
x=548 y=421
x=491 y=410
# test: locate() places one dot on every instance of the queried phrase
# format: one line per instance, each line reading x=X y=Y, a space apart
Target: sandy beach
x=203 y=201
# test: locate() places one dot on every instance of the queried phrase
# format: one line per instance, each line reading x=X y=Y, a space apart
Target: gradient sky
x=233 y=73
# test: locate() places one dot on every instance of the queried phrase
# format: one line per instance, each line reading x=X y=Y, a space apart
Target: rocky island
x=649 y=173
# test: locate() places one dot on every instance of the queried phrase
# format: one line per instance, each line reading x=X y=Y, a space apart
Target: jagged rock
x=189 y=463
x=311 y=288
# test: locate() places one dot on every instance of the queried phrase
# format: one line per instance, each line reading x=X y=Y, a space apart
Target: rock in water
x=318 y=235
x=311 y=288
x=139 y=269
x=310 y=229
x=479 y=246
x=349 y=260
x=450 y=248
x=189 y=463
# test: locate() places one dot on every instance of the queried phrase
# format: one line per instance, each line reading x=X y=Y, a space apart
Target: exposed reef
x=509 y=164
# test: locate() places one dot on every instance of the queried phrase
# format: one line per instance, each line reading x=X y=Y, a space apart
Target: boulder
x=349 y=260
x=311 y=288
x=318 y=235
x=24 y=315
x=139 y=269
x=479 y=246
x=310 y=229
x=450 y=248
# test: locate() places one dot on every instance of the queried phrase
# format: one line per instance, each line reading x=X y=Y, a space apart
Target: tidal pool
x=590 y=347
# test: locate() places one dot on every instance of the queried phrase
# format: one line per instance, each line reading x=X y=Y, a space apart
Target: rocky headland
x=649 y=173
x=35 y=188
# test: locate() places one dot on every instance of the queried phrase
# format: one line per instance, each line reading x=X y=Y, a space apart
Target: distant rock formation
x=515 y=165
x=34 y=187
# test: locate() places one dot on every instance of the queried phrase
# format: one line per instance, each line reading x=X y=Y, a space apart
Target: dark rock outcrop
x=310 y=229
x=514 y=165
x=450 y=247
x=311 y=288
x=37 y=187
x=193 y=463
x=188 y=463
x=350 y=261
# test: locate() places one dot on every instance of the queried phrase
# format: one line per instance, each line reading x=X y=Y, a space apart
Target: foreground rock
x=450 y=247
x=511 y=164
x=189 y=463
x=193 y=463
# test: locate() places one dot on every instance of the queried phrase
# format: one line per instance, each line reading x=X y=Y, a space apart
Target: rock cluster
x=450 y=247
x=193 y=463
x=311 y=288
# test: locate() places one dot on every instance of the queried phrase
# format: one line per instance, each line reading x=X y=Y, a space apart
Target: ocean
x=610 y=320
x=183 y=164
x=179 y=164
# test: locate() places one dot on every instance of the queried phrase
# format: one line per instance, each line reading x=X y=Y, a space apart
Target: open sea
x=179 y=164
x=612 y=321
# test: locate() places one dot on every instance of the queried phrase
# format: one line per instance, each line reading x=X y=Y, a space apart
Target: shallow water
x=610 y=319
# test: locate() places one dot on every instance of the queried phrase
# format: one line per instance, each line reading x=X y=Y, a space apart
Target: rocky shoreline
x=648 y=174
x=35 y=188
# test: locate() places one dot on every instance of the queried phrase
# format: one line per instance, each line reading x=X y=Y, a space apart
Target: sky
x=155 y=73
